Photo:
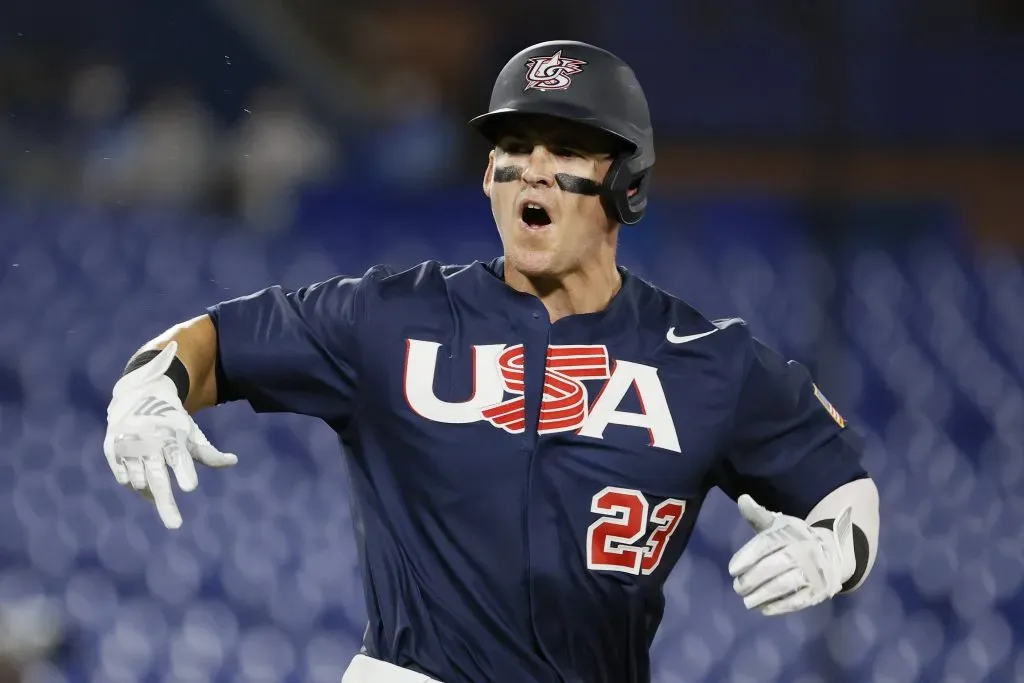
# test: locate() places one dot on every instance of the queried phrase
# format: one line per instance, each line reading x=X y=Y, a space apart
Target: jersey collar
x=618 y=317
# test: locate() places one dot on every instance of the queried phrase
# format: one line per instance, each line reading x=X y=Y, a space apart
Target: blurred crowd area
x=232 y=106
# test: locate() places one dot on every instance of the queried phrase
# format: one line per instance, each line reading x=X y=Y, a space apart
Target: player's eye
x=512 y=146
x=564 y=152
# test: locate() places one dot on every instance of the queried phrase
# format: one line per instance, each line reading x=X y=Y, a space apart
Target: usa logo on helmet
x=551 y=73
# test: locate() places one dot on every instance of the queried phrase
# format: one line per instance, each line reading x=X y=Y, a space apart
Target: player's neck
x=587 y=290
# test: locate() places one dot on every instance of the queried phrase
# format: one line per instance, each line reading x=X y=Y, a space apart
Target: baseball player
x=529 y=438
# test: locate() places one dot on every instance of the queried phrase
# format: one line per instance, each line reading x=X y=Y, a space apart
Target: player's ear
x=489 y=174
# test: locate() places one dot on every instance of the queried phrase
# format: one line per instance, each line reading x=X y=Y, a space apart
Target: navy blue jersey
x=522 y=489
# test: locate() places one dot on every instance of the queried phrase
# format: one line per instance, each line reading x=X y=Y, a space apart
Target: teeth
x=531 y=205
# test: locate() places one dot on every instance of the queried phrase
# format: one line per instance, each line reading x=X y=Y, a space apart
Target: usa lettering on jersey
x=498 y=370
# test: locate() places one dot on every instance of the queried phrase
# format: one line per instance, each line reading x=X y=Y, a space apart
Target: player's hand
x=149 y=431
x=790 y=565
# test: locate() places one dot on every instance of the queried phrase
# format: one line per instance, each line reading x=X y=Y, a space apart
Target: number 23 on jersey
x=612 y=540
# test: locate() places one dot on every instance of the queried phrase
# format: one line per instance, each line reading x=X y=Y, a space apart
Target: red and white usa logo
x=551 y=73
x=498 y=370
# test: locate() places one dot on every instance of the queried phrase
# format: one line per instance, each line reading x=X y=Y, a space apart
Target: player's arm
x=278 y=349
x=794 y=465
x=296 y=350
x=195 y=372
x=860 y=497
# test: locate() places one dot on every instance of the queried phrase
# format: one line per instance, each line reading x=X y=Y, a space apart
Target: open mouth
x=535 y=216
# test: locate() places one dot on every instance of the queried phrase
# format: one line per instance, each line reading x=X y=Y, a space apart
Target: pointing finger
x=180 y=461
x=160 y=488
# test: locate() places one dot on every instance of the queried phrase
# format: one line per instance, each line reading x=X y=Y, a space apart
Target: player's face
x=542 y=179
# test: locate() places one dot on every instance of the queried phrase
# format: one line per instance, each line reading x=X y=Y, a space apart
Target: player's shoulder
x=418 y=279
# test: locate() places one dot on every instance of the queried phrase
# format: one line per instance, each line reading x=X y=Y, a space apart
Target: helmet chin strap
x=566 y=181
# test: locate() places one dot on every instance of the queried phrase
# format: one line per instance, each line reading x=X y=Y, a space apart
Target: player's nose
x=540 y=168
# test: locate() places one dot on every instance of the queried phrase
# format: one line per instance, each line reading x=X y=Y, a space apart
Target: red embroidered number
x=610 y=539
x=666 y=516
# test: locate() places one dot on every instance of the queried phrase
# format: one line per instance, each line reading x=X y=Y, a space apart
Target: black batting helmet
x=575 y=81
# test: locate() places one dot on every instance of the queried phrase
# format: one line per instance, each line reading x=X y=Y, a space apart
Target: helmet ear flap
x=624 y=191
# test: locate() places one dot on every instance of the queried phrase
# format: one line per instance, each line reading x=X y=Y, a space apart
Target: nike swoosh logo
x=675 y=339
x=719 y=326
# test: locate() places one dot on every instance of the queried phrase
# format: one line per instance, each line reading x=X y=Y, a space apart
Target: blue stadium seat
x=326 y=653
x=266 y=655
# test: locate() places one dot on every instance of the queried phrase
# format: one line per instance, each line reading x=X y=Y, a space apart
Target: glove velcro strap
x=861 y=551
x=177 y=372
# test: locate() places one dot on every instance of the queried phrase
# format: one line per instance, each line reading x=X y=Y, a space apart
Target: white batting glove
x=149 y=430
x=790 y=565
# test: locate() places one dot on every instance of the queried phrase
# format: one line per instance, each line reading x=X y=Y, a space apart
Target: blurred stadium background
x=847 y=175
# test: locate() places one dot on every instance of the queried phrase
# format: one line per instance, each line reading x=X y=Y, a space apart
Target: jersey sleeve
x=789 y=447
x=295 y=351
